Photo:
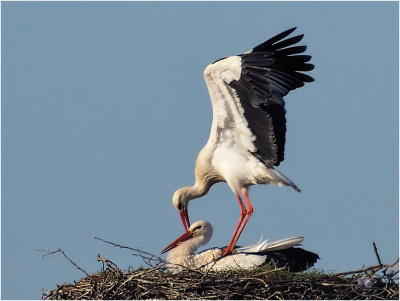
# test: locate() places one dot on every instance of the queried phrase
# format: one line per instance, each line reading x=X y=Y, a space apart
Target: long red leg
x=243 y=213
x=249 y=213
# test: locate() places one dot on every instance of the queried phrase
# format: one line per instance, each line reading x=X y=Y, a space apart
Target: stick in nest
x=65 y=255
x=147 y=257
x=372 y=269
x=376 y=253
x=109 y=263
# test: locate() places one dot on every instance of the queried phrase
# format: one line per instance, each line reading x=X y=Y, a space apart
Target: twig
x=374 y=268
x=376 y=252
x=65 y=255
x=371 y=269
x=152 y=256
x=109 y=263
x=269 y=271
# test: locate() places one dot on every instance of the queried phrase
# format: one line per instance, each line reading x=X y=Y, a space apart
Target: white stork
x=182 y=253
x=248 y=130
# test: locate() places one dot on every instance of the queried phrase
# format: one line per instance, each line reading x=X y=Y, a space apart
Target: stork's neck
x=189 y=247
x=184 y=254
x=198 y=190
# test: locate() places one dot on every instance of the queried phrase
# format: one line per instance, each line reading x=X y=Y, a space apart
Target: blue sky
x=104 y=109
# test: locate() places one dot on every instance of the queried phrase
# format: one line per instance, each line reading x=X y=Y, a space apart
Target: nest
x=269 y=281
x=261 y=283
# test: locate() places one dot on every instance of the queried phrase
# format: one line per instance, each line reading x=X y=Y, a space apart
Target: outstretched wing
x=247 y=93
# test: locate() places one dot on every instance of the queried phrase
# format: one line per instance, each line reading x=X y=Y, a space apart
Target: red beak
x=183 y=237
x=185 y=219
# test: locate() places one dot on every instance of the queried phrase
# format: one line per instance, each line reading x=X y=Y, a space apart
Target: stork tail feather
x=282 y=180
x=295 y=259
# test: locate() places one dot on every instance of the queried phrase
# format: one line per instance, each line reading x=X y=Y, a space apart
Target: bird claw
x=228 y=252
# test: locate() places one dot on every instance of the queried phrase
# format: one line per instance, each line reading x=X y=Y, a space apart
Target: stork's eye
x=197 y=228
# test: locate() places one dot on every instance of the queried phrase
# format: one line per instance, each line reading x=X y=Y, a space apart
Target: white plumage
x=182 y=253
x=247 y=137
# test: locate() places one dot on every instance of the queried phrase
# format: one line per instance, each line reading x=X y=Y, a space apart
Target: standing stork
x=248 y=130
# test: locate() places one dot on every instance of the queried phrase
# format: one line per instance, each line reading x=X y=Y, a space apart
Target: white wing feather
x=247 y=257
x=228 y=114
x=271 y=246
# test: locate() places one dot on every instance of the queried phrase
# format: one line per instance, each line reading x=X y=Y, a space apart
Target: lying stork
x=182 y=253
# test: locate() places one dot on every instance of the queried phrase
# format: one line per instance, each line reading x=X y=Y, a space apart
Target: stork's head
x=180 y=201
x=200 y=232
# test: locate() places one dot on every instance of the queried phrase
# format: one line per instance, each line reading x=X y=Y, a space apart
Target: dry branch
x=65 y=255
x=146 y=256
x=376 y=253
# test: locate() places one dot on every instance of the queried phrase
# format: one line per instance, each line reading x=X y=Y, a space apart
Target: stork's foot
x=228 y=252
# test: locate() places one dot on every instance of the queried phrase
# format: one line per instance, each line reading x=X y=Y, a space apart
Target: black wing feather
x=274 y=39
x=269 y=72
x=295 y=259
x=288 y=42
